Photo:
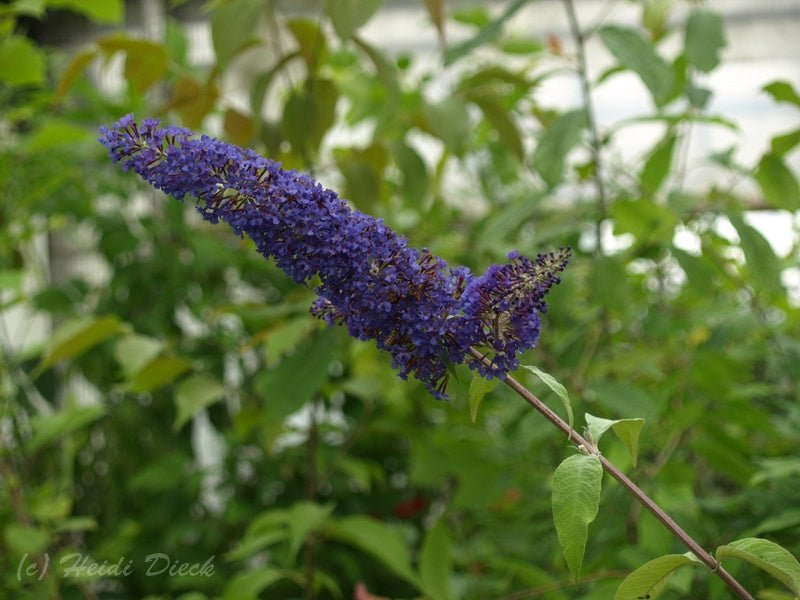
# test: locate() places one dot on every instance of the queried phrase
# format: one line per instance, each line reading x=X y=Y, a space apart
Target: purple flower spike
x=426 y=315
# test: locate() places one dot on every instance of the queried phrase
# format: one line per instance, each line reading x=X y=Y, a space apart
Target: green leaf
x=48 y=428
x=648 y=221
x=658 y=164
x=555 y=144
x=763 y=267
x=232 y=25
x=57 y=132
x=478 y=388
x=782 y=91
x=767 y=556
x=250 y=584
x=348 y=15
x=311 y=41
x=76 y=67
x=305 y=517
x=24 y=539
x=145 y=61
x=704 y=39
x=783 y=144
x=21 y=61
x=416 y=181
x=379 y=540
x=778 y=184
x=556 y=386
x=499 y=118
x=134 y=351
x=193 y=100
x=487 y=34
x=576 y=498
x=435 y=563
x=639 y=55
x=449 y=121
x=101 y=11
x=158 y=372
x=297 y=378
x=193 y=394
x=75 y=338
x=436 y=12
x=309 y=113
x=627 y=430
x=649 y=580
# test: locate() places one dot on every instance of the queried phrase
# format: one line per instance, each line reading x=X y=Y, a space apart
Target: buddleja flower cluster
x=426 y=315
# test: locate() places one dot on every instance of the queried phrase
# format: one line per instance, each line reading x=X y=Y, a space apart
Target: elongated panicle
x=426 y=315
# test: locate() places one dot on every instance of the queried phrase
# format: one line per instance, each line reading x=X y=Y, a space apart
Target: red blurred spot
x=362 y=593
x=554 y=44
x=409 y=508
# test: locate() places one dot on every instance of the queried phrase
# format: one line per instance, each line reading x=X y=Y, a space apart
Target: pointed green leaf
x=704 y=39
x=436 y=12
x=145 y=61
x=763 y=266
x=449 y=121
x=576 y=498
x=627 y=430
x=435 y=563
x=658 y=164
x=232 y=25
x=47 y=428
x=310 y=39
x=76 y=67
x=478 y=388
x=193 y=394
x=348 y=15
x=778 y=184
x=305 y=517
x=101 y=11
x=555 y=144
x=783 y=144
x=21 y=61
x=309 y=113
x=782 y=91
x=297 y=378
x=378 y=540
x=134 y=351
x=158 y=372
x=499 y=118
x=487 y=34
x=649 y=580
x=74 y=338
x=416 y=181
x=556 y=386
x=639 y=55
x=767 y=556
x=249 y=584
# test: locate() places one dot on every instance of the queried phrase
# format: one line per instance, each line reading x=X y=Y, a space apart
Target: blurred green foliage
x=151 y=445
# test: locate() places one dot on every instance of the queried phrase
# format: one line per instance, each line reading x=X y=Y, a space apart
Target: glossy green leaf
x=658 y=164
x=159 y=372
x=648 y=581
x=555 y=144
x=639 y=55
x=576 y=498
x=763 y=266
x=48 y=428
x=436 y=564
x=378 y=540
x=248 y=585
x=134 y=351
x=782 y=91
x=297 y=378
x=74 y=338
x=101 y=11
x=556 y=386
x=767 y=556
x=778 y=183
x=704 y=39
x=193 y=394
x=487 y=34
x=348 y=15
x=627 y=430
x=21 y=62
x=232 y=25
x=305 y=518
x=478 y=388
